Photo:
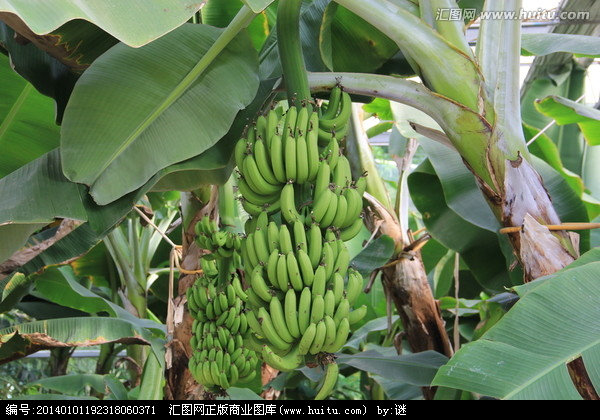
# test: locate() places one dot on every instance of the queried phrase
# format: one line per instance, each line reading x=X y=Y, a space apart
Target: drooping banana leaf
x=171 y=90
x=135 y=22
x=525 y=355
x=21 y=340
x=27 y=128
x=565 y=111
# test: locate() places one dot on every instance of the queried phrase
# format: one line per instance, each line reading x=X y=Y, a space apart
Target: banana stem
x=290 y=51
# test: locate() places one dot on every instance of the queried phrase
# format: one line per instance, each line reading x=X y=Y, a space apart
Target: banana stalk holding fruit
x=302 y=291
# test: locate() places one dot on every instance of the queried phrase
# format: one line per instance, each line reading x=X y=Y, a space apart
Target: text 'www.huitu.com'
x=540 y=15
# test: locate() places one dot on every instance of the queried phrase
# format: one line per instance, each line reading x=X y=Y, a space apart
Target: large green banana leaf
x=137 y=111
x=565 y=111
x=348 y=43
x=28 y=205
x=524 y=356
x=479 y=248
x=219 y=13
x=27 y=128
x=134 y=22
x=548 y=43
x=24 y=339
x=59 y=285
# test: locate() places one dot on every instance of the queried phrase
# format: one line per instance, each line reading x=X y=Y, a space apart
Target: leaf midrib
x=242 y=19
x=14 y=110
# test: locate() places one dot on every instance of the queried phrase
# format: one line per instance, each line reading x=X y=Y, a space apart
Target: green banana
x=273 y=123
x=343 y=116
x=272 y=268
x=288 y=204
x=342 y=262
x=354 y=286
x=293 y=269
x=315 y=245
x=277 y=161
x=273 y=236
x=319 y=340
x=317 y=310
x=322 y=180
x=263 y=161
x=259 y=285
x=330 y=334
x=304 y=307
x=306 y=269
x=302 y=168
x=270 y=332
x=248 y=247
x=261 y=245
x=240 y=151
x=351 y=231
x=312 y=147
x=289 y=155
x=290 y=120
x=353 y=206
x=333 y=105
x=337 y=287
x=329 y=380
x=322 y=203
x=357 y=314
x=235 y=325
x=302 y=121
x=329 y=302
x=260 y=127
x=286 y=363
x=331 y=153
x=290 y=307
x=340 y=212
x=328 y=260
x=319 y=281
x=282 y=273
x=255 y=178
x=307 y=339
x=254 y=324
x=285 y=240
x=279 y=320
x=342 y=175
x=300 y=235
x=329 y=215
x=239 y=290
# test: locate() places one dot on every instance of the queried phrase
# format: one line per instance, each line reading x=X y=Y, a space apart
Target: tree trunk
x=405 y=283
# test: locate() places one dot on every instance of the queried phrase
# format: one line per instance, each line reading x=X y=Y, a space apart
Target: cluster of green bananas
x=303 y=202
x=219 y=242
x=280 y=149
x=220 y=359
x=301 y=293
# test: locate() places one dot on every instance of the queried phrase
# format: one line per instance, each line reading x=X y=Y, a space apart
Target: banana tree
x=177 y=104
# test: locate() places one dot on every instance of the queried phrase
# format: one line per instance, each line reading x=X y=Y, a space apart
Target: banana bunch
x=303 y=202
x=281 y=149
x=334 y=121
x=220 y=359
x=301 y=293
x=221 y=243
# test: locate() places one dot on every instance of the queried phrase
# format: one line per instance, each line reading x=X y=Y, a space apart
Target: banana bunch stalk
x=304 y=204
